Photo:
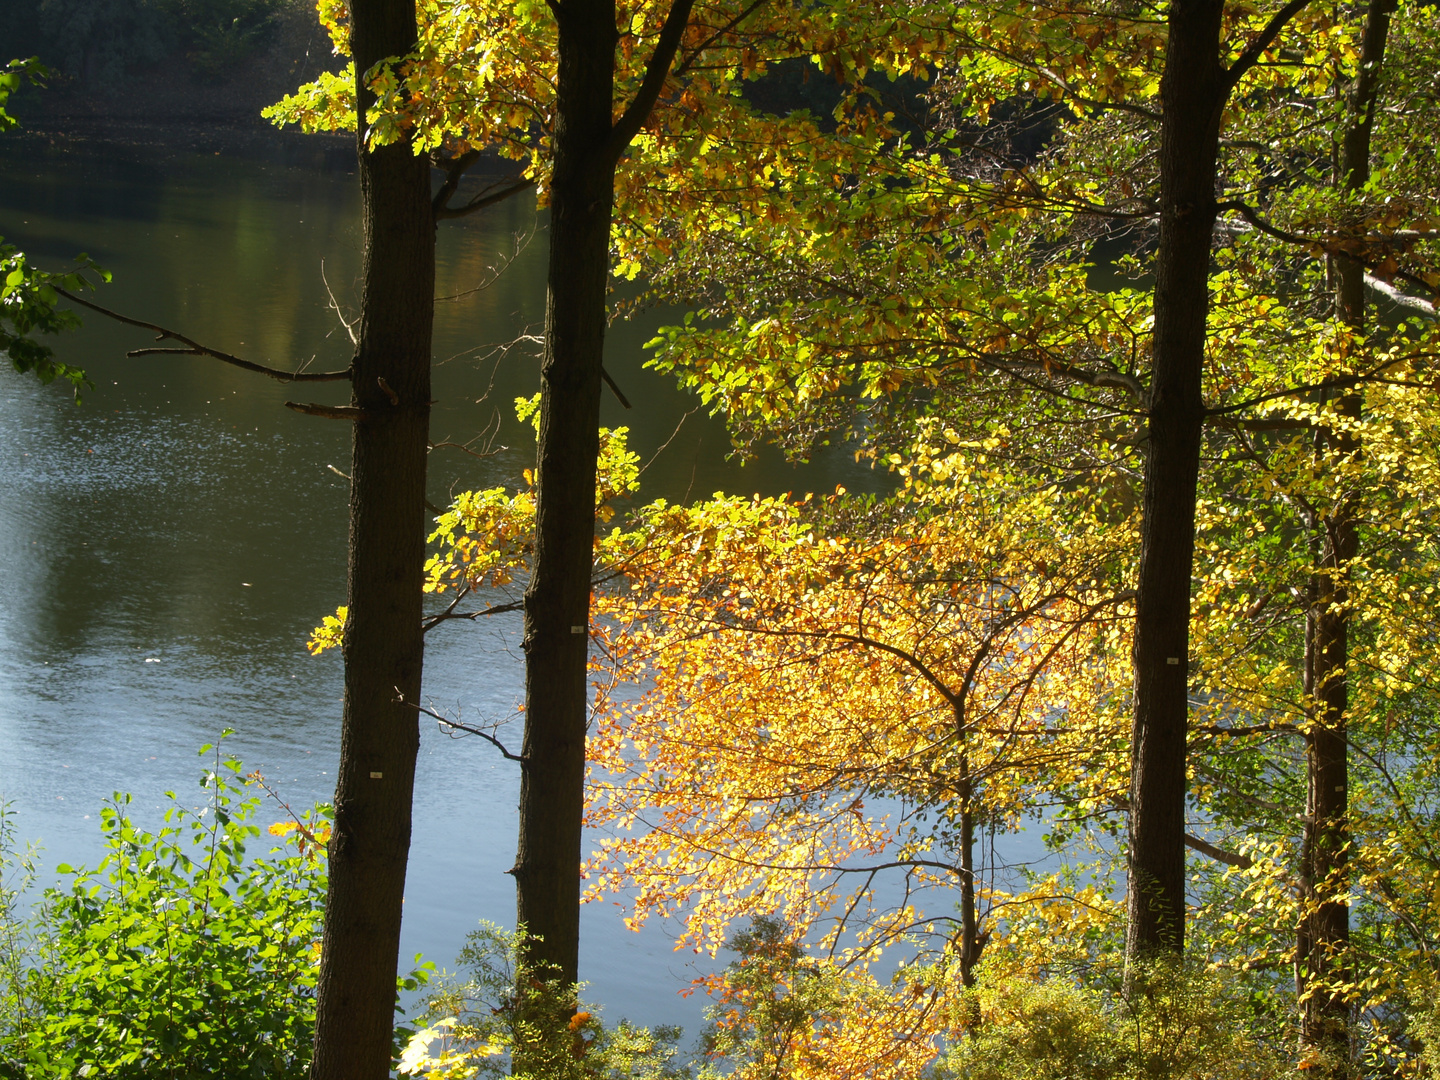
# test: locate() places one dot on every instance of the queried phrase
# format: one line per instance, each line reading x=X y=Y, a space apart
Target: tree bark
x=1323 y=936
x=557 y=601
x=587 y=146
x=970 y=944
x=1193 y=91
x=383 y=646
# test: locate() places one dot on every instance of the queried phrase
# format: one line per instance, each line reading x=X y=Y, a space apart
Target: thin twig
x=300 y=826
x=491 y=739
x=661 y=449
x=522 y=241
x=465 y=449
x=335 y=306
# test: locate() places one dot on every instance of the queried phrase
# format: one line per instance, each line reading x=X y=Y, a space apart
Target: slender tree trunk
x=1193 y=92
x=383 y=646
x=969 y=921
x=587 y=146
x=557 y=602
x=1324 y=933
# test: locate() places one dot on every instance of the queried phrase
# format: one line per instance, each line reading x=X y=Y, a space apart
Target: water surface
x=166 y=546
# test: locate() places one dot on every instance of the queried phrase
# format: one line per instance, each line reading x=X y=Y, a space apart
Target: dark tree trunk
x=970 y=944
x=557 y=602
x=383 y=644
x=586 y=146
x=1323 y=936
x=1193 y=90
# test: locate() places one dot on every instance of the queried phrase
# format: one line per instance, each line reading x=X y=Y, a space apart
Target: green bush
x=476 y=1024
x=1176 y=1021
x=176 y=956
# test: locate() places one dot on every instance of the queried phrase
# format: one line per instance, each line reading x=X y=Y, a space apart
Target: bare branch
x=463 y=448
x=668 y=441
x=329 y=412
x=1229 y=858
x=455 y=168
x=1417 y=304
x=522 y=241
x=614 y=388
x=482 y=200
x=1268 y=425
x=431 y=621
x=335 y=306
x=1250 y=214
x=194 y=348
x=487 y=736
x=1251 y=729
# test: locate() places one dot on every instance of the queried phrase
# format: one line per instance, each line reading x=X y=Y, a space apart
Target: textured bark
x=970 y=944
x=383 y=642
x=557 y=602
x=1193 y=91
x=587 y=146
x=1323 y=936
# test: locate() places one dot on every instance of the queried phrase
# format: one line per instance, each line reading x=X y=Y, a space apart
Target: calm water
x=166 y=546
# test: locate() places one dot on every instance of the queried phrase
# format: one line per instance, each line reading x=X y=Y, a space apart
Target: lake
x=166 y=546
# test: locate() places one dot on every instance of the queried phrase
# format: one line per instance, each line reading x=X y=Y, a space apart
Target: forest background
x=954 y=262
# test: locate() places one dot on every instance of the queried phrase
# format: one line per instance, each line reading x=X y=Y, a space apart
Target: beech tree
x=384 y=644
x=565 y=91
x=1324 y=932
x=1141 y=148
x=922 y=270
x=389 y=407
x=787 y=663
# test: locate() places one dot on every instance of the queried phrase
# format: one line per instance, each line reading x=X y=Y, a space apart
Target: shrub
x=474 y=1025
x=175 y=956
x=1176 y=1021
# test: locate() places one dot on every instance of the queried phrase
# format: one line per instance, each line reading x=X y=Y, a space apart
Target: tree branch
x=455 y=168
x=689 y=61
x=1417 y=304
x=194 y=348
x=1251 y=56
x=432 y=621
x=1250 y=214
x=656 y=72
x=614 y=389
x=482 y=200
x=329 y=412
x=491 y=739
x=1241 y=732
x=1229 y=858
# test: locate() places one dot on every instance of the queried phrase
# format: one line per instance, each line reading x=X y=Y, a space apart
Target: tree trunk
x=970 y=945
x=383 y=646
x=1193 y=92
x=1323 y=936
x=557 y=602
